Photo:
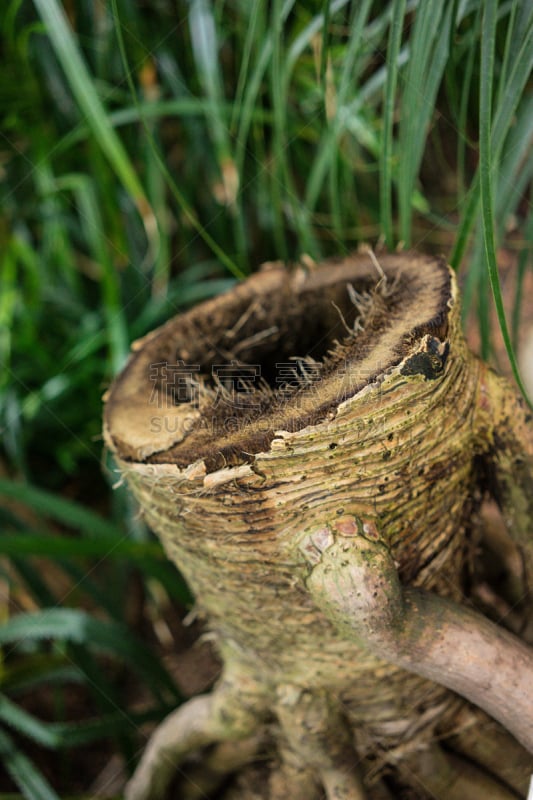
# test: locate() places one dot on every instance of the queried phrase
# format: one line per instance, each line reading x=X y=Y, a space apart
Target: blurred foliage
x=152 y=154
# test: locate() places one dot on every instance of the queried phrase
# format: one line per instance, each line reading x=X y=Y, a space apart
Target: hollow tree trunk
x=311 y=447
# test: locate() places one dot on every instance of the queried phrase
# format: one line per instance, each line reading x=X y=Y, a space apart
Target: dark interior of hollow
x=306 y=325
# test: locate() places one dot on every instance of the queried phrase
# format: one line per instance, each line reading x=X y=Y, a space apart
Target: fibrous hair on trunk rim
x=329 y=321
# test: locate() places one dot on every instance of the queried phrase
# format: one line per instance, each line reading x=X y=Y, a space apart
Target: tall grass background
x=152 y=155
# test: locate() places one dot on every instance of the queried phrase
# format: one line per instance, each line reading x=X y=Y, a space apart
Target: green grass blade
x=74 y=67
x=58 y=508
x=250 y=42
x=468 y=217
x=60 y=735
x=205 y=49
x=35 y=583
x=106 y=695
x=78 y=627
x=429 y=45
x=157 y=194
x=23 y=771
x=327 y=152
x=56 y=547
x=148 y=557
x=518 y=75
x=523 y=262
x=487 y=161
x=82 y=579
x=251 y=93
x=325 y=44
x=26 y=724
x=37 y=669
x=467 y=69
x=385 y=163
x=286 y=204
x=507 y=49
x=350 y=76
x=328 y=156
x=57 y=248
x=186 y=209
x=93 y=228
x=189 y=107
x=303 y=40
x=515 y=172
x=278 y=101
x=8 y=302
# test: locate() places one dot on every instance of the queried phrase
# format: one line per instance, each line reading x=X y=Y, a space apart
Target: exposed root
x=356 y=584
x=293 y=779
x=321 y=739
x=342 y=785
x=510 y=463
x=443 y=777
x=185 y=730
x=483 y=741
x=218 y=717
x=206 y=776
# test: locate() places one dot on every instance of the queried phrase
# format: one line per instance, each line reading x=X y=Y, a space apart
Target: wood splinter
x=312 y=448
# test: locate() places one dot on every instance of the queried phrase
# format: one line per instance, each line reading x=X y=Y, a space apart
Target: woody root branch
x=315 y=746
x=355 y=583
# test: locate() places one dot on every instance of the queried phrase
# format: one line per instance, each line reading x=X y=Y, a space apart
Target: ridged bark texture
x=253 y=488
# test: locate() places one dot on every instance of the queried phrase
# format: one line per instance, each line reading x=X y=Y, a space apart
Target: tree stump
x=312 y=447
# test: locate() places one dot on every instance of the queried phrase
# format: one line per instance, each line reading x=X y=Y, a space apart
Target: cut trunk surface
x=311 y=448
